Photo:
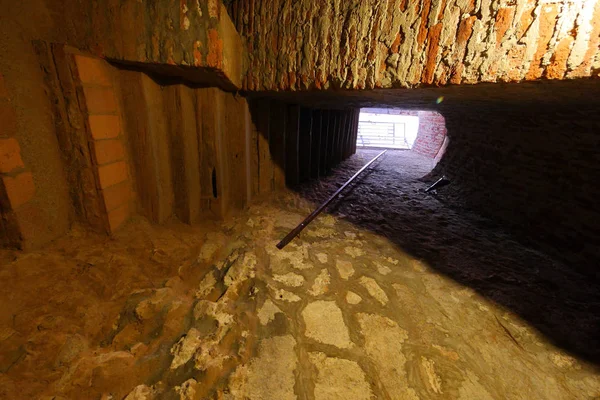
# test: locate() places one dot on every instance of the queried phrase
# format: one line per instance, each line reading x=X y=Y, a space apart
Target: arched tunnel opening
x=154 y=161
x=422 y=134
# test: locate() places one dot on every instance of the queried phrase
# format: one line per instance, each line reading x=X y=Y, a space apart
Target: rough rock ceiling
x=360 y=44
x=527 y=94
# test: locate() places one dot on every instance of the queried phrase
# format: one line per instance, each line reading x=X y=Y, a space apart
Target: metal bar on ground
x=288 y=238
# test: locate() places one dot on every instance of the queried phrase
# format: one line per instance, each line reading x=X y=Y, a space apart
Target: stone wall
x=44 y=102
x=533 y=169
x=192 y=39
x=308 y=44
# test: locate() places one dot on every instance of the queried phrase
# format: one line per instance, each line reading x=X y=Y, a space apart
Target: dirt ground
x=391 y=295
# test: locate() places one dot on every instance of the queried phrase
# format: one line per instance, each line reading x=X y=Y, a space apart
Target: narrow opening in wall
x=421 y=132
x=387 y=128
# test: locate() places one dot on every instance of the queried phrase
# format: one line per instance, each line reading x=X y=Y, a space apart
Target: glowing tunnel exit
x=423 y=132
x=387 y=128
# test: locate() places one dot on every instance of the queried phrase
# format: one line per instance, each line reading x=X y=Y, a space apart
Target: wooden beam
x=349 y=125
x=207 y=131
x=331 y=138
x=72 y=131
x=306 y=138
x=315 y=144
x=339 y=154
x=233 y=152
x=148 y=137
x=185 y=163
x=277 y=142
x=253 y=147
x=325 y=123
x=292 y=146
x=265 y=165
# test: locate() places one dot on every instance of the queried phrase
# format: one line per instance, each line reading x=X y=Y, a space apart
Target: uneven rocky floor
x=343 y=312
x=471 y=250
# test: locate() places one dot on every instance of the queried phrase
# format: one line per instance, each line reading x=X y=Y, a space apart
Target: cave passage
x=153 y=154
x=460 y=292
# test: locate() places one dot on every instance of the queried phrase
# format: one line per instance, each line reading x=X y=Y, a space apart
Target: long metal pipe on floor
x=296 y=231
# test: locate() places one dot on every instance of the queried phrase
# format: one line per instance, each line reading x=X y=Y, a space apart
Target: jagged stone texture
x=360 y=44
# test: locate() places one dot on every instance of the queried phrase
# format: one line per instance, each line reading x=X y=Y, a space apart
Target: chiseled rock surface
x=289 y=279
x=383 y=343
x=267 y=312
x=400 y=43
x=185 y=349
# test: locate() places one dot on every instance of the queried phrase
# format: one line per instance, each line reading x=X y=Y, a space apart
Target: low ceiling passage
x=524 y=154
x=525 y=94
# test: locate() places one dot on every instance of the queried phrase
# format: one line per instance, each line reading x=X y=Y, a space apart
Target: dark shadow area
x=533 y=170
x=474 y=251
x=537 y=93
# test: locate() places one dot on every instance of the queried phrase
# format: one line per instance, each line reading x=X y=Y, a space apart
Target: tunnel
x=275 y=199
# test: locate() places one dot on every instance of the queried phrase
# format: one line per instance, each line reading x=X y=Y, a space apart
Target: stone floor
x=342 y=312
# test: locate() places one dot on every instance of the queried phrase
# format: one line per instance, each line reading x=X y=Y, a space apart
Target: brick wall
x=16 y=181
x=106 y=139
x=431 y=135
x=398 y=43
x=533 y=167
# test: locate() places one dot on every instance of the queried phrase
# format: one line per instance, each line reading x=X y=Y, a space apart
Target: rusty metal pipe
x=288 y=238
